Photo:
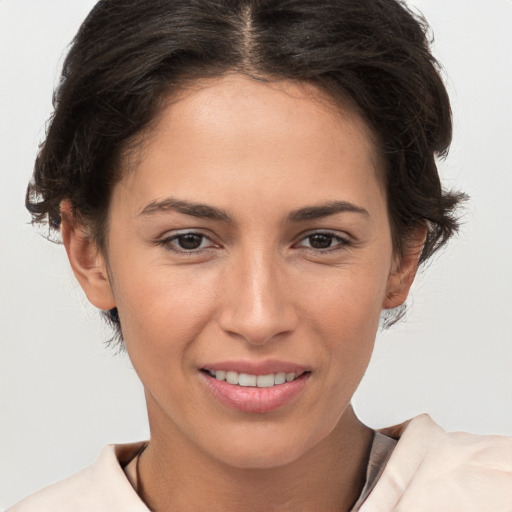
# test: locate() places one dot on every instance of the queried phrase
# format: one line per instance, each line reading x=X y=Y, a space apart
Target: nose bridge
x=257 y=306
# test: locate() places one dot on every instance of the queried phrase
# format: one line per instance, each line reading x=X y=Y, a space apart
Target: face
x=250 y=241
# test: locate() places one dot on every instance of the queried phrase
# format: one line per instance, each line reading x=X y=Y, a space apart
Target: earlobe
x=404 y=270
x=86 y=260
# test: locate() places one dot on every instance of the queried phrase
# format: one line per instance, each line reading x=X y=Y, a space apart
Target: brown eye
x=189 y=241
x=320 y=241
x=324 y=241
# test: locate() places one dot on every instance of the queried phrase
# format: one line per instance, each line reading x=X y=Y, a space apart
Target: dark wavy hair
x=130 y=55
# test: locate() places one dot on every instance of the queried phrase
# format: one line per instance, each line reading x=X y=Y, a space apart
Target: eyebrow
x=325 y=210
x=204 y=211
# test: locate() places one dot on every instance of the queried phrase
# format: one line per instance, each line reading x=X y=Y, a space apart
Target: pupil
x=190 y=241
x=320 y=241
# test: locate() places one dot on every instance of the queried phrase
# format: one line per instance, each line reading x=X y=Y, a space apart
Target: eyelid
x=170 y=236
x=345 y=240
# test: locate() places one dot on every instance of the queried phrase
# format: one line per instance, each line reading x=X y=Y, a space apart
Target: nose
x=258 y=304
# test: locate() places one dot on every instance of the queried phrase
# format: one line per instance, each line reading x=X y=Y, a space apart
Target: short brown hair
x=130 y=54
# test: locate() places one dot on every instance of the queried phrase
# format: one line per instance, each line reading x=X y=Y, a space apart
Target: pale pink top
x=429 y=470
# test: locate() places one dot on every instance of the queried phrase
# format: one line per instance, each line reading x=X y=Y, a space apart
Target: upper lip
x=257 y=367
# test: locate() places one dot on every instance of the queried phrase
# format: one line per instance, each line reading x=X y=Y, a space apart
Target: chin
x=263 y=448
x=260 y=458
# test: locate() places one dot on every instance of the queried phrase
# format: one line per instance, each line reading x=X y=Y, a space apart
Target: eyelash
x=167 y=243
x=342 y=242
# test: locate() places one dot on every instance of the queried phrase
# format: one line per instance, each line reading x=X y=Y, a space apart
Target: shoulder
x=431 y=469
x=101 y=487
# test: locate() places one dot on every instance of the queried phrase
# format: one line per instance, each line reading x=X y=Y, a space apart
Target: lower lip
x=253 y=399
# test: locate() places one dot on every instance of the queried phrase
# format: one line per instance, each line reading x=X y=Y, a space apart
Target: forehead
x=263 y=136
x=281 y=108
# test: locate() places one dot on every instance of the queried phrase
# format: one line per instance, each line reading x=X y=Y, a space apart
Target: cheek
x=161 y=311
x=345 y=315
x=347 y=300
x=343 y=321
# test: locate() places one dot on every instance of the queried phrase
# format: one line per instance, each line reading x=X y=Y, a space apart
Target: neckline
x=380 y=452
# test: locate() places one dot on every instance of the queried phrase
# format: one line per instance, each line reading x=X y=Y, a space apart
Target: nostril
x=258 y=326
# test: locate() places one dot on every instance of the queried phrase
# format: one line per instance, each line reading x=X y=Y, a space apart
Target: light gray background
x=64 y=396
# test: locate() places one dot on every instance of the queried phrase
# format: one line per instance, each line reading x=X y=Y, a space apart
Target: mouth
x=257 y=381
x=258 y=392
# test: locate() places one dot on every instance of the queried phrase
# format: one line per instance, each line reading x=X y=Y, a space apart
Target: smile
x=248 y=380
x=251 y=393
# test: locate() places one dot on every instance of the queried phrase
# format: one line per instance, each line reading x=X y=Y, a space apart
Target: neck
x=176 y=476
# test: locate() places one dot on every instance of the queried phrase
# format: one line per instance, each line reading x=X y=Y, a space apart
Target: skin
x=255 y=290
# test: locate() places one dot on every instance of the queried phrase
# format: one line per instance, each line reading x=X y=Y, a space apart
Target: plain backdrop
x=64 y=395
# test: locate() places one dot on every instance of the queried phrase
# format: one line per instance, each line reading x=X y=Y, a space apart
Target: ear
x=404 y=270
x=87 y=262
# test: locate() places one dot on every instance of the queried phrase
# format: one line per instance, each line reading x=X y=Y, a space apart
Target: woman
x=243 y=188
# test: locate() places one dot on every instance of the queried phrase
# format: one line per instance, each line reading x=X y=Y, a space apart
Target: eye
x=324 y=241
x=187 y=242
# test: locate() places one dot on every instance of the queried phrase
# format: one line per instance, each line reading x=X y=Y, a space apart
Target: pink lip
x=253 y=399
x=257 y=368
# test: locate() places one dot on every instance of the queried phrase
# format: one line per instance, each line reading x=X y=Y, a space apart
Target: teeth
x=220 y=375
x=248 y=380
x=265 y=381
x=231 y=377
x=244 y=379
x=280 y=378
